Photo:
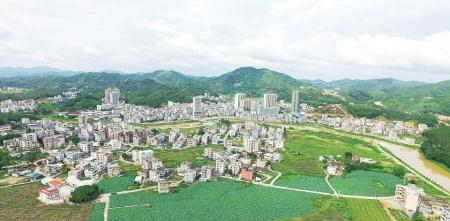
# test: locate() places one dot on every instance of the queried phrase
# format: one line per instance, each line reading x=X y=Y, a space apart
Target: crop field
x=20 y=203
x=303 y=149
x=366 y=183
x=366 y=210
x=120 y=183
x=173 y=158
x=97 y=212
x=340 y=209
x=223 y=200
x=304 y=182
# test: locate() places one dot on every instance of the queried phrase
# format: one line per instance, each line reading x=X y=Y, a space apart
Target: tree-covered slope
x=255 y=82
x=437 y=145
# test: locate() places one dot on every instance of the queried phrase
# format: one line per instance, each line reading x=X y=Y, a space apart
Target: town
x=241 y=139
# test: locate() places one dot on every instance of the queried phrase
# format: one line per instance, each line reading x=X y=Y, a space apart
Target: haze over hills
x=155 y=88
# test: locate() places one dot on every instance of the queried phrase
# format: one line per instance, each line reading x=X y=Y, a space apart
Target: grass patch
x=173 y=158
x=303 y=149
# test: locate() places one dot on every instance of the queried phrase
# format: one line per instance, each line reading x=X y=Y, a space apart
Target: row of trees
x=436 y=145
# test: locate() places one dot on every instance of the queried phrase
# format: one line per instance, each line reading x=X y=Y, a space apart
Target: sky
x=328 y=40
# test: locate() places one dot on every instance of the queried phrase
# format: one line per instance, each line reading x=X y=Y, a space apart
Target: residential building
x=104 y=157
x=141 y=155
x=295 y=102
x=270 y=100
x=197 y=106
x=208 y=173
x=409 y=197
x=163 y=186
x=247 y=174
x=237 y=100
x=190 y=175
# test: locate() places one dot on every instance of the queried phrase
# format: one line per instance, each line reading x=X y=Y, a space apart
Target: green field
x=363 y=210
x=120 y=183
x=97 y=212
x=303 y=149
x=173 y=158
x=304 y=182
x=20 y=203
x=347 y=209
x=366 y=183
x=223 y=200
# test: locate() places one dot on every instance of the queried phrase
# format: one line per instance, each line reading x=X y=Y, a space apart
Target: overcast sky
x=327 y=40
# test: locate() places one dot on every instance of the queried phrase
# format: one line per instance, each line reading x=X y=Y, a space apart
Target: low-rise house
x=104 y=157
x=208 y=173
x=335 y=168
x=184 y=167
x=409 y=198
x=141 y=155
x=247 y=174
x=114 y=170
x=163 y=186
x=189 y=176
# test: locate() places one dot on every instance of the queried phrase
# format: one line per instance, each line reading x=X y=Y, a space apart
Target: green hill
x=400 y=98
x=255 y=82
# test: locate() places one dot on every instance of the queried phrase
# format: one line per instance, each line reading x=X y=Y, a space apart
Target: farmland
x=120 y=183
x=20 y=203
x=303 y=149
x=347 y=209
x=97 y=212
x=304 y=182
x=366 y=183
x=223 y=200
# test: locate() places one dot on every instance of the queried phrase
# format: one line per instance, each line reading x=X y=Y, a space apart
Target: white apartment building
x=270 y=100
x=237 y=100
x=197 y=106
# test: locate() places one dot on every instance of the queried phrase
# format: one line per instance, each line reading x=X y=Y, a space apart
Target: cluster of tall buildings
x=112 y=96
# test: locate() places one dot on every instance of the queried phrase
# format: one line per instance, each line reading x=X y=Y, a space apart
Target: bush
x=85 y=193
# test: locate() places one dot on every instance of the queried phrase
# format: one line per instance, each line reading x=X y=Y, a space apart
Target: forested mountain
x=391 y=98
x=255 y=82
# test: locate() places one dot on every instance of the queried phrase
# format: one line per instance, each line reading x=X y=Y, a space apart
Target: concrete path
x=329 y=184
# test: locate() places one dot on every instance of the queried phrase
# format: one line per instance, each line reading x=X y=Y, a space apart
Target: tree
x=399 y=171
x=5 y=159
x=33 y=156
x=75 y=139
x=85 y=193
x=348 y=155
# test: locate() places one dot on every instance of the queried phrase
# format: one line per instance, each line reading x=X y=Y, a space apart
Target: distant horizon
x=48 y=69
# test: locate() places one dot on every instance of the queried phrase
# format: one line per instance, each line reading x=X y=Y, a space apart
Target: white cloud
x=307 y=39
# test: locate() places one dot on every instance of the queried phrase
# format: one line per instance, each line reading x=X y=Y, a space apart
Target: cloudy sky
x=327 y=40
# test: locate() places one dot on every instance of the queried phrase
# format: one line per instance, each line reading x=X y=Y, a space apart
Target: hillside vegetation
x=401 y=100
x=437 y=145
